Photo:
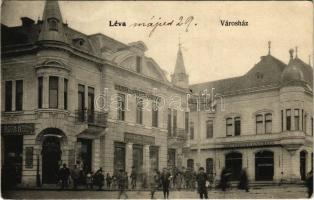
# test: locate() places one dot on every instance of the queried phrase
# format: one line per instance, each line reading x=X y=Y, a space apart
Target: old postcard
x=156 y=99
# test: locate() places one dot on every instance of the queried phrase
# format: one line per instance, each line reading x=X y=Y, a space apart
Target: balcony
x=91 y=117
x=177 y=138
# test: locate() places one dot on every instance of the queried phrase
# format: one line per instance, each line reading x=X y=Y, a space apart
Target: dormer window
x=53 y=24
x=259 y=75
x=138 y=64
x=79 y=41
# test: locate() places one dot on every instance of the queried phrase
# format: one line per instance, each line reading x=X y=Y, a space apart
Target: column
x=46 y=91
x=61 y=93
x=96 y=154
x=294 y=173
x=129 y=157
x=284 y=118
x=146 y=160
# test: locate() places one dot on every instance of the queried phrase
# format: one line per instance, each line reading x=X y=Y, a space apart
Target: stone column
x=146 y=160
x=46 y=91
x=294 y=172
x=129 y=157
x=96 y=154
x=61 y=93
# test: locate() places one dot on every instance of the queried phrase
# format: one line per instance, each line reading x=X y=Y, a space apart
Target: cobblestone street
x=277 y=192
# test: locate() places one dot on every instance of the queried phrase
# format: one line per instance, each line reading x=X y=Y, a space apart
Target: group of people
x=78 y=177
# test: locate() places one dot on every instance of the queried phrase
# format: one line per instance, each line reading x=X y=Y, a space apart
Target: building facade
x=85 y=100
x=261 y=121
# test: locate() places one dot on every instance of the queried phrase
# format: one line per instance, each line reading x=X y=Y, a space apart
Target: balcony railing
x=178 y=133
x=91 y=117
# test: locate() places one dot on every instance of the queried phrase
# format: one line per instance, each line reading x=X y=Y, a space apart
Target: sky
x=211 y=51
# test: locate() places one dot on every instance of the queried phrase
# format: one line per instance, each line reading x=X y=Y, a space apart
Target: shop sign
x=29 y=152
x=136 y=92
x=138 y=139
x=251 y=144
x=18 y=129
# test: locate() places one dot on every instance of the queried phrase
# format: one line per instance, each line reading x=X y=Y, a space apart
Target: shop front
x=12 y=151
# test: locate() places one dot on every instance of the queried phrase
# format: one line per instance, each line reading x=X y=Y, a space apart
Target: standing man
x=244 y=181
x=153 y=182
x=133 y=177
x=201 y=179
x=309 y=183
x=122 y=184
x=75 y=174
x=165 y=180
x=64 y=174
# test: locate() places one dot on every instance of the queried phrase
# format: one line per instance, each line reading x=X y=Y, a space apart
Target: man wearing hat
x=201 y=179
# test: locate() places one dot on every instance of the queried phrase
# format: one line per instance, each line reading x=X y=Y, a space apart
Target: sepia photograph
x=156 y=99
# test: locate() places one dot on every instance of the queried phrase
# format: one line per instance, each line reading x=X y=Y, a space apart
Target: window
x=53 y=24
x=121 y=107
x=139 y=110
x=155 y=114
x=190 y=164
x=138 y=64
x=186 y=122
x=81 y=97
x=90 y=109
x=174 y=121
x=268 y=123
x=288 y=119
x=304 y=121
x=296 y=119
x=19 y=95
x=209 y=129
x=65 y=96
x=237 y=126
x=229 y=129
x=259 y=124
x=312 y=126
x=281 y=120
x=191 y=130
x=40 y=92
x=8 y=96
x=169 y=122
x=53 y=91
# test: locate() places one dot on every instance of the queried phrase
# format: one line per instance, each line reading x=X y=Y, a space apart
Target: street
x=265 y=192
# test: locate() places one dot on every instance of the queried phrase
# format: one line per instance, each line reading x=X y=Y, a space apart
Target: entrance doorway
x=303 y=155
x=51 y=158
x=234 y=165
x=12 y=163
x=264 y=166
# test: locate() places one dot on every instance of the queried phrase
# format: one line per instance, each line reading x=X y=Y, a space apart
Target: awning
x=92 y=132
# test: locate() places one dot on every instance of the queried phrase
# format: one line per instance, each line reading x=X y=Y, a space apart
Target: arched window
x=209 y=166
x=53 y=24
x=268 y=123
x=237 y=126
x=233 y=164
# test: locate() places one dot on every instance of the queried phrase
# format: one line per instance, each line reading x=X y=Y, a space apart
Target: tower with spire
x=52 y=24
x=180 y=78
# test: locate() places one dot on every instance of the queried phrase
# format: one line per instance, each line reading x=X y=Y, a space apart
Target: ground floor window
x=171 y=158
x=12 y=160
x=119 y=156
x=264 y=166
x=190 y=164
x=233 y=162
x=85 y=154
x=154 y=157
x=209 y=166
x=303 y=155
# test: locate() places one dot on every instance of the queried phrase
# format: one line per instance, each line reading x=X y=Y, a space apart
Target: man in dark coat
x=244 y=182
x=64 y=174
x=309 y=183
x=224 y=179
x=165 y=180
x=122 y=183
x=133 y=177
x=201 y=179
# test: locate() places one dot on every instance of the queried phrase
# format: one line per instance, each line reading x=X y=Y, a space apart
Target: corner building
x=261 y=121
x=88 y=100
